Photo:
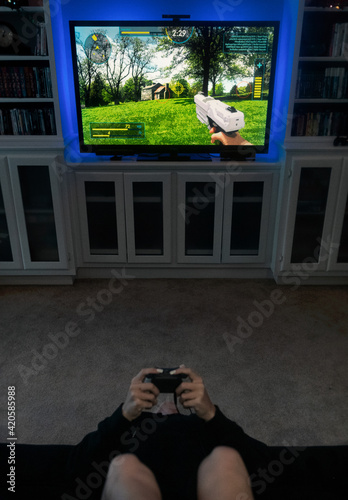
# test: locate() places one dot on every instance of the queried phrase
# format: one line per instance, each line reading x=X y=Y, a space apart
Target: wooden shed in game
x=148 y=93
x=156 y=91
x=163 y=92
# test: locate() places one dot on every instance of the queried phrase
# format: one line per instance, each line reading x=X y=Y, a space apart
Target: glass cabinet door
x=310 y=213
x=38 y=211
x=5 y=243
x=247 y=227
x=10 y=249
x=338 y=260
x=101 y=217
x=38 y=202
x=342 y=256
x=200 y=208
x=148 y=201
x=246 y=218
x=148 y=218
x=199 y=227
x=101 y=207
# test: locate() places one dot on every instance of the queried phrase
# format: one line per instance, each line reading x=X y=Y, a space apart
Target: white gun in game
x=215 y=113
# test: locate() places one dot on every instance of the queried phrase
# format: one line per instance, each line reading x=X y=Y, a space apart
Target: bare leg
x=223 y=475
x=130 y=479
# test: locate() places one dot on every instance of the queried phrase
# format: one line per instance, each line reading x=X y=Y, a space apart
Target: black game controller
x=164 y=381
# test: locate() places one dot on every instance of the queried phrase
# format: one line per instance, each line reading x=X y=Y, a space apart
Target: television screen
x=156 y=87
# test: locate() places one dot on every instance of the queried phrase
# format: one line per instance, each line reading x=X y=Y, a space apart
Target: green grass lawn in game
x=172 y=121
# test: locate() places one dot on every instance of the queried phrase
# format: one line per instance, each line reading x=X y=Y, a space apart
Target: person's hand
x=226 y=140
x=194 y=395
x=141 y=395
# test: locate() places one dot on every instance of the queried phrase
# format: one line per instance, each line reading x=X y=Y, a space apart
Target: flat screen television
x=174 y=87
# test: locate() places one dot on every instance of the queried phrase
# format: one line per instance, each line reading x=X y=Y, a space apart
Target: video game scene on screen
x=158 y=85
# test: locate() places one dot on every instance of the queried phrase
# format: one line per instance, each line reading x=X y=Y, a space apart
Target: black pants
x=312 y=473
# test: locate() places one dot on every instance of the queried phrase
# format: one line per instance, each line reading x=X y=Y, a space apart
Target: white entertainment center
x=61 y=220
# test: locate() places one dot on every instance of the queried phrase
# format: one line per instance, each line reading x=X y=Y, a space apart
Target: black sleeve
x=99 y=446
x=221 y=431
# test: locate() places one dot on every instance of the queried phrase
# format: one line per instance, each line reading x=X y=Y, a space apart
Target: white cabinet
x=226 y=218
x=212 y=218
x=313 y=223
x=124 y=217
x=34 y=222
x=39 y=214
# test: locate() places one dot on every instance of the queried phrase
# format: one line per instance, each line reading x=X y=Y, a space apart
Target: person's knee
x=226 y=454
x=127 y=473
x=223 y=457
x=126 y=463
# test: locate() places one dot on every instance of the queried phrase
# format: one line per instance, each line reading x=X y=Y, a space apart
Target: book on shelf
x=25 y=81
x=41 y=40
x=322 y=83
x=339 y=40
x=27 y=121
x=335 y=83
x=320 y=123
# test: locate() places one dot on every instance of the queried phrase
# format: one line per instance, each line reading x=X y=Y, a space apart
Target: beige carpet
x=275 y=360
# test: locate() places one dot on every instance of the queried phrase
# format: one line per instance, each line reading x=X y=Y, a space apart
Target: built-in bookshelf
x=29 y=104
x=319 y=96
